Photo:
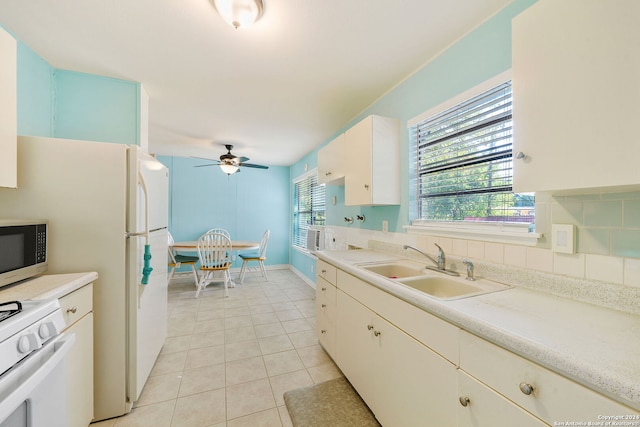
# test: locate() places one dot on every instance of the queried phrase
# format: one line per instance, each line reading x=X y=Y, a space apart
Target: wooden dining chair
x=257 y=255
x=214 y=251
x=177 y=260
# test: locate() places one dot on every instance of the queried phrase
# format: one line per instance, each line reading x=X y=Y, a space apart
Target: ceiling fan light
x=229 y=168
x=239 y=13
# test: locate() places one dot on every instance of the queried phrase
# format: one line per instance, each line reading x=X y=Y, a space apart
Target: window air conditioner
x=315 y=238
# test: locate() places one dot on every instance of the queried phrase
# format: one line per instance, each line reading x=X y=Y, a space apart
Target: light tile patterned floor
x=227 y=361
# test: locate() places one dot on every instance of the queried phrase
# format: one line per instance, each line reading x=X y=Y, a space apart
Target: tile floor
x=228 y=361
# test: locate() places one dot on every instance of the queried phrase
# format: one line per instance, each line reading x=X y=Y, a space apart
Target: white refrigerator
x=104 y=202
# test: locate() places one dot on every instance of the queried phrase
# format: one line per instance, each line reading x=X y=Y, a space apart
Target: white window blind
x=464 y=162
x=308 y=207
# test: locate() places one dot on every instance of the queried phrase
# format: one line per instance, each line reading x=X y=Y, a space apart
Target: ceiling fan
x=230 y=163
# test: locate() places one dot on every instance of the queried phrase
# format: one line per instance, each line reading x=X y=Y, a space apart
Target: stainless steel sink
x=447 y=288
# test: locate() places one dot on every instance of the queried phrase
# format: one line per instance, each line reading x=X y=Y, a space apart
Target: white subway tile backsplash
x=515 y=255
x=459 y=248
x=494 y=252
x=632 y=272
x=540 y=259
x=605 y=268
x=475 y=249
x=492 y=258
x=569 y=265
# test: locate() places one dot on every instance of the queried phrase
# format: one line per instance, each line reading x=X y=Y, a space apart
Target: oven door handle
x=61 y=347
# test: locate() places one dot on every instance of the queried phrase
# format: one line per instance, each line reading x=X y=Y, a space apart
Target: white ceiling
x=275 y=90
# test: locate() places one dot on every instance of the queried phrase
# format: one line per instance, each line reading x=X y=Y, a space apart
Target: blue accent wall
x=245 y=204
x=35 y=93
x=96 y=108
x=483 y=53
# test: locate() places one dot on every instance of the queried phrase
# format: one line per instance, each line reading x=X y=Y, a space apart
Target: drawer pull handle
x=369 y=327
x=324 y=305
x=526 y=388
x=377 y=333
x=324 y=271
x=464 y=401
x=324 y=289
x=323 y=331
x=72 y=310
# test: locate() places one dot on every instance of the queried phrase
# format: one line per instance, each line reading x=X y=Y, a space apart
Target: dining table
x=236 y=245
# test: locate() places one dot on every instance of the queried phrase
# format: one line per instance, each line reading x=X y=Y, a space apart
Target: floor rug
x=332 y=403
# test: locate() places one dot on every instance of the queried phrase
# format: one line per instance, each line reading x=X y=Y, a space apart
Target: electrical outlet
x=385 y=226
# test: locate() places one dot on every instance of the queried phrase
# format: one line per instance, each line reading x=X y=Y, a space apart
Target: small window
x=308 y=207
x=463 y=163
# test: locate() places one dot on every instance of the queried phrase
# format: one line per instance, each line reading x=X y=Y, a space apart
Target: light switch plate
x=563 y=238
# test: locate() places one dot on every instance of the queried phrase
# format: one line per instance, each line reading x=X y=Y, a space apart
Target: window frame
x=504 y=232
x=299 y=241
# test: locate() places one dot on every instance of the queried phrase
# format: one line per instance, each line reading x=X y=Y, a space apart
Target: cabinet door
x=79 y=367
x=484 y=407
x=8 y=111
x=358 y=186
x=403 y=382
x=330 y=162
x=354 y=347
x=575 y=96
x=415 y=384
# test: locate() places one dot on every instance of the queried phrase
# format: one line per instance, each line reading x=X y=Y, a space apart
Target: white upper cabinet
x=331 y=160
x=8 y=111
x=373 y=159
x=576 y=92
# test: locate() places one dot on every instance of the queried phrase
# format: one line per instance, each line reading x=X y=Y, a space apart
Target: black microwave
x=23 y=249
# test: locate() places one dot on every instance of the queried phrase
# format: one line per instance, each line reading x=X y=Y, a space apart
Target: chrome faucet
x=469 y=265
x=440 y=262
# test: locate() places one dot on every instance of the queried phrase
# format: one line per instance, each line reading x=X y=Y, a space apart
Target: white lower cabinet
x=547 y=395
x=77 y=309
x=480 y=406
x=415 y=369
x=402 y=381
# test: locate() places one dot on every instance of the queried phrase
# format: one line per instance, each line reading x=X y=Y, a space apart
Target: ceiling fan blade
x=250 y=165
x=205 y=158
x=211 y=164
x=242 y=159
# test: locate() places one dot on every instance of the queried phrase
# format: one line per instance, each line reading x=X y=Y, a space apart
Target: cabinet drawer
x=485 y=407
x=553 y=398
x=77 y=304
x=431 y=331
x=326 y=299
x=326 y=271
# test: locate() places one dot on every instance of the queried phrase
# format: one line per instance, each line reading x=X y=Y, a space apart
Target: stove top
x=30 y=312
x=8 y=309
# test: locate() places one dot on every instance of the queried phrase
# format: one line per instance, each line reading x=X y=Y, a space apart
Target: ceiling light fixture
x=228 y=168
x=239 y=13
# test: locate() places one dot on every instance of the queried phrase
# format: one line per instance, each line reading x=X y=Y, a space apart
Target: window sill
x=516 y=234
x=303 y=251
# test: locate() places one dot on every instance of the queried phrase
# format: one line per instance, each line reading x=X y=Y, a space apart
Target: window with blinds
x=464 y=163
x=308 y=207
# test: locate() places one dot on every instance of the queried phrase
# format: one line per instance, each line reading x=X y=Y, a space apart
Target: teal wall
x=245 y=204
x=35 y=93
x=66 y=104
x=96 y=108
x=480 y=55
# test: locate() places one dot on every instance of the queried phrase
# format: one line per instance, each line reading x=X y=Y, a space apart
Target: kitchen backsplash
x=605 y=270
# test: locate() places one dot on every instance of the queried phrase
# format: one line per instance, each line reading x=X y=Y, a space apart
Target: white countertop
x=46 y=287
x=595 y=346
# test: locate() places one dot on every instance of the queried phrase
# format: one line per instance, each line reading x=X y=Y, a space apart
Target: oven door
x=33 y=392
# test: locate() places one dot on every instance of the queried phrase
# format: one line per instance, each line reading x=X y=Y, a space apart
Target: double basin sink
x=432 y=283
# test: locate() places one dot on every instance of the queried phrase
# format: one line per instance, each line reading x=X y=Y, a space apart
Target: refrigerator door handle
x=146 y=270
